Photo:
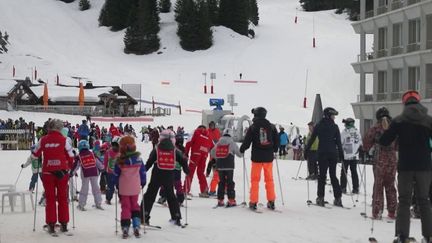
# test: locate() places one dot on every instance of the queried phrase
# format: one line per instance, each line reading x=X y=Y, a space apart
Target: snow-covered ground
x=296 y=223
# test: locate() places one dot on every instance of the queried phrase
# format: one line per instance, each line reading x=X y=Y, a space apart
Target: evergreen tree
x=84 y=5
x=116 y=14
x=234 y=14
x=193 y=25
x=213 y=9
x=253 y=12
x=165 y=6
x=142 y=36
x=205 y=33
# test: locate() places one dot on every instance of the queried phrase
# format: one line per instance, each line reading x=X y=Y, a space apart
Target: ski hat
x=382 y=112
x=410 y=97
x=83 y=144
x=64 y=131
x=259 y=112
x=349 y=122
x=55 y=125
x=127 y=144
x=115 y=141
x=167 y=134
x=330 y=111
x=105 y=146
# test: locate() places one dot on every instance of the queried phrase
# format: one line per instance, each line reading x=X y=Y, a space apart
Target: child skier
x=36 y=169
x=179 y=140
x=109 y=163
x=165 y=155
x=224 y=152
x=129 y=177
x=89 y=174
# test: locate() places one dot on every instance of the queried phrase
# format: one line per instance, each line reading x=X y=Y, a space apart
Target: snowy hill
x=58 y=38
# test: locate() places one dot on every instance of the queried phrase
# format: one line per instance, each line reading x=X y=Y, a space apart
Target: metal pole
x=72 y=201
x=280 y=184
x=35 y=202
x=143 y=211
x=186 y=204
x=244 y=182
x=298 y=170
x=116 y=219
x=19 y=177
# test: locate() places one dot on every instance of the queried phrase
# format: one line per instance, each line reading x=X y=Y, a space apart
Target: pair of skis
x=374 y=240
x=56 y=233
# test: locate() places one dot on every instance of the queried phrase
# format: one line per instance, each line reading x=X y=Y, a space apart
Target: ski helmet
x=115 y=141
x=349 y=122
x=259 y=112
x=83 y=144
x=65 y=131
x=410 y=97
x=382 y=112
x=330 y=111
x=167 y=134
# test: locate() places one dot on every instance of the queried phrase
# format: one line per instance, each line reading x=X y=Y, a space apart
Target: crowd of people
x=399 y=145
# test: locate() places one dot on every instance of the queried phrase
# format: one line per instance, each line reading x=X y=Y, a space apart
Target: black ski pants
x=160 y=178
x=352 y=166
x=226 y=180
x=328 y=161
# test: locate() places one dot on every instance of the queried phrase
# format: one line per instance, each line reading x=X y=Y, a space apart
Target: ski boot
x=391 y=216
x=221 y=203
x=82 y=208
x=271 y=205
x=320 y=201
x=136 y=222
x=338 y=202
x=99 y=207
x=231 y=203
x=51 y=228
x=63 y=228
x=161 y=200
x=125 y=232
x=253 y=206
x=355 y=191
x=204 y=195
x=212 y=194
x=108 y=202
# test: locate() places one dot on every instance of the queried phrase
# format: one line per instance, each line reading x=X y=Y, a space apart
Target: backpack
x=265 y=137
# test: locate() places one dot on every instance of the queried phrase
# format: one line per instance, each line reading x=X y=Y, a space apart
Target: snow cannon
x=217 y=103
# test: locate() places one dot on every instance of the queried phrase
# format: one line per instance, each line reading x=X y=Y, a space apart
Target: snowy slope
x=57 y=38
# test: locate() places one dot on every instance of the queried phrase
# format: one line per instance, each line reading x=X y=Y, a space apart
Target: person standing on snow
x=312 y=155
x=164 y=156
x=199 y=147
x=329 y=151
x=224 y=152
x=351 y=144
x=263 y=137
x=57 y=158
x=214 y=135
x=384 y=167
x=84 y=130
x=283 y=141
x=90 y=167
x=413 y=130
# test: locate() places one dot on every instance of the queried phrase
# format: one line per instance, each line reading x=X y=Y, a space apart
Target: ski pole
x=244 y=181
x=280 y=184
x=35 y=202
x=344 y=170
x=116 y=219
x=16 y=181
x=308 y=201
x=364 y=174
x=143 y=210
x=298 y=170
x=186 y=204
x=72 y=202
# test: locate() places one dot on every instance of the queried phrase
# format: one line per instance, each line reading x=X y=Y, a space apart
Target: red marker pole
x=57 y=80
x=295 y=20
x=211 y=87
x=13 y=71
x=35 y=73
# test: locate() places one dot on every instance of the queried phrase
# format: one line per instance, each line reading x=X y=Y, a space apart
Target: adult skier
x=413 y=130
x=263 y=137
x=384 y=167
x=329 y=151
x=351 y=143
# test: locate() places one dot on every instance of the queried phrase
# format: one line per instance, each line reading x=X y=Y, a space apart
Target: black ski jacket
x=329 y=138
x=260 y=154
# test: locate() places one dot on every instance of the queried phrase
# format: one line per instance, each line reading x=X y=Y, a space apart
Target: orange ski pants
x=268 y=179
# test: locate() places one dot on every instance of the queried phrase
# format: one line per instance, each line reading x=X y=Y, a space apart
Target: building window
x=396 y=84
x=382 y=85
x=382 y=42
x=413 y=35
x=429 y=31
x=397 y=39
x=413 y=78
x=428 y=80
